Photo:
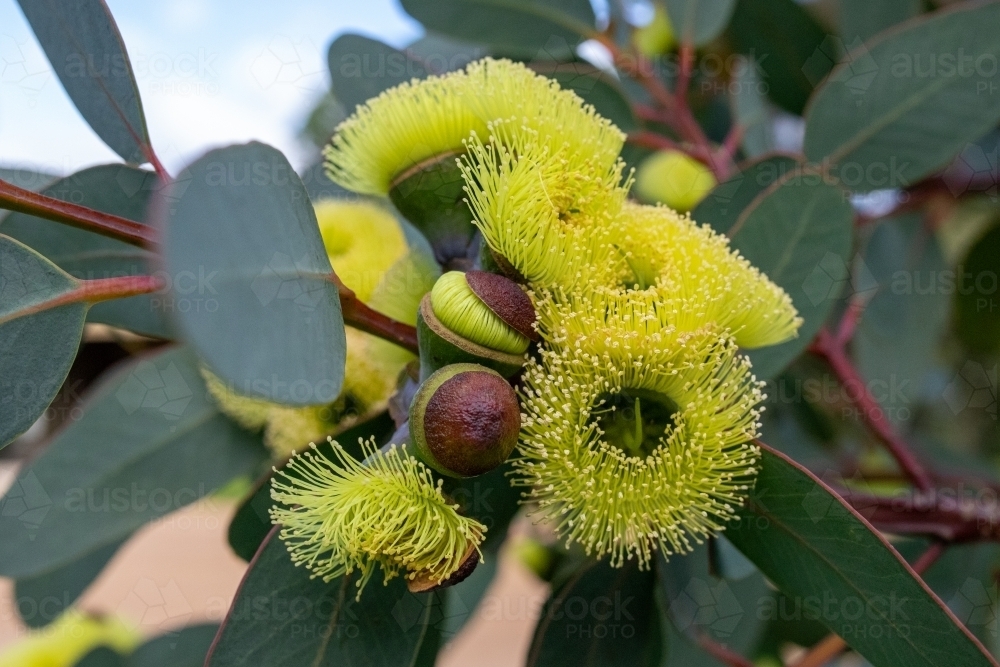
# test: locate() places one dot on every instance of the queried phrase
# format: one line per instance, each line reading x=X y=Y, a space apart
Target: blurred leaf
x=965 y=578
x=281 y=616
x=527 y=27
x=699 y=603
x=86 y=51
x=976 y=304
x=815 y=548
x=784 y=41
x=251 y=523
x=490 y=499
x=361 y=68
x=443 y=54
x=186 y=647
x=150 y=442
x=751 y=110
x=595 y=86
x=102 y=656
x=119 y=190
x=798 y=232
x=860 y=19
x=461 y=601
x=600 y=616
x=28 y=179
x=36 y=348
x=44 y=595
x=727 y=200
x=895 y=344
x=239 y=219
x=699 y=21
x=901 y=106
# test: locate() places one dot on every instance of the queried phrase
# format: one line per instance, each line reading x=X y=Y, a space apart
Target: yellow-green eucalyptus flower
x=691 y=278
x=68 y=639
x=627 y=447
x=342 y=515
x=547 y=209
x=412 y=122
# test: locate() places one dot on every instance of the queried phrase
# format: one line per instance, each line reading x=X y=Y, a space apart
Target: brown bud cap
x=423 y=584
x=505 y=298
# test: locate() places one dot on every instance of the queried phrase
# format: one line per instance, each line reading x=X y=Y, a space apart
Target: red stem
x=722 y=653
x=105 y=224
x=360 y=316
x=835 y=354
x=93 y=291
x=950 y=515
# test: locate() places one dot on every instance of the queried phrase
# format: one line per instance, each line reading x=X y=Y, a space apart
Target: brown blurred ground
x=180 y=570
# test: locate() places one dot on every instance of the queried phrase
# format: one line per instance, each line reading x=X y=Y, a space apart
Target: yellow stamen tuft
x=422 y=119
x=342 y=515
x=695 y=278
x=623 y=489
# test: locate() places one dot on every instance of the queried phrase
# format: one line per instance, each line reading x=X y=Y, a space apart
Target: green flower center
x=635 y=420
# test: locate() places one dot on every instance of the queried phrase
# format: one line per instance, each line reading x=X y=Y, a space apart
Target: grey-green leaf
x=240 y=221
x=749 y=100
x=699 y=21
x=786 y=43
x=860 y=19
x=184 y=648
x=895 y=344
x=281 y=617
x=601 y=616
x=150 y=442
x=532 y=28
x=905 y=103
x=721 y=207
x=36 y=350
x=361 y=68
x=86 y=51
x=798 y=232
x=120 y=190
x=43 y=596
x=813 y=546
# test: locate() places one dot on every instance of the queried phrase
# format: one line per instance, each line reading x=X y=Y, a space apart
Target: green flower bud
x=464 y=420
x=475 y=317
x=673 y=178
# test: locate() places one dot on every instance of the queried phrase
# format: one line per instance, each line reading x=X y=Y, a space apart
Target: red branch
x=92 y=291
x=833 y=350
x=362 y=317
x=951 y=515
x=105 y=224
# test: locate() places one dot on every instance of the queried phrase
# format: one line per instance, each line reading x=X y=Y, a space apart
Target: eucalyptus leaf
x=361 y=68
x=530 y=28
x=977 y=306
x=750 y=108
x=86 y=51
x=798 y=232
x=784 y=41
x=904 y=104
x=818 y=550
x=120 y=190
x=282 y=617
x=42 y=597
x=184 y=648
x=240 y=220
x=896 y=341
x=150 y=441
x=600 y=616
x=698 y=22
x=723 y=205
x=37 y=343
x=860 y=19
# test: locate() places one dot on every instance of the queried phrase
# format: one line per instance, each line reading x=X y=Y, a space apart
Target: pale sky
x=210 y=73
